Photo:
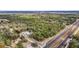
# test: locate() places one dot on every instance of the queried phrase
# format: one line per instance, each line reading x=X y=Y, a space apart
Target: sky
x=39 y=5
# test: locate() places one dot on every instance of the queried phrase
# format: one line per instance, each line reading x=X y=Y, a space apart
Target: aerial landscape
x=39 y=29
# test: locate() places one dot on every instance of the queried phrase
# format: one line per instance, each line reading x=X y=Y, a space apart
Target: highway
x=59 y=40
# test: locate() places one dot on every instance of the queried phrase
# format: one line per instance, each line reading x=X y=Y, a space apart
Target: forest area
x=41 y=26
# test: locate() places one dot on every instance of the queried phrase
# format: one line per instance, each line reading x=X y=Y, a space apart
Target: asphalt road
x=61 y=38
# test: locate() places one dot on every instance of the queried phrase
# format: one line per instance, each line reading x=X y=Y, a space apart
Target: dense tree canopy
x=42 y=25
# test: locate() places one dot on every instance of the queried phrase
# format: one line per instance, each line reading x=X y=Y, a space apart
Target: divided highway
x=60 y=39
